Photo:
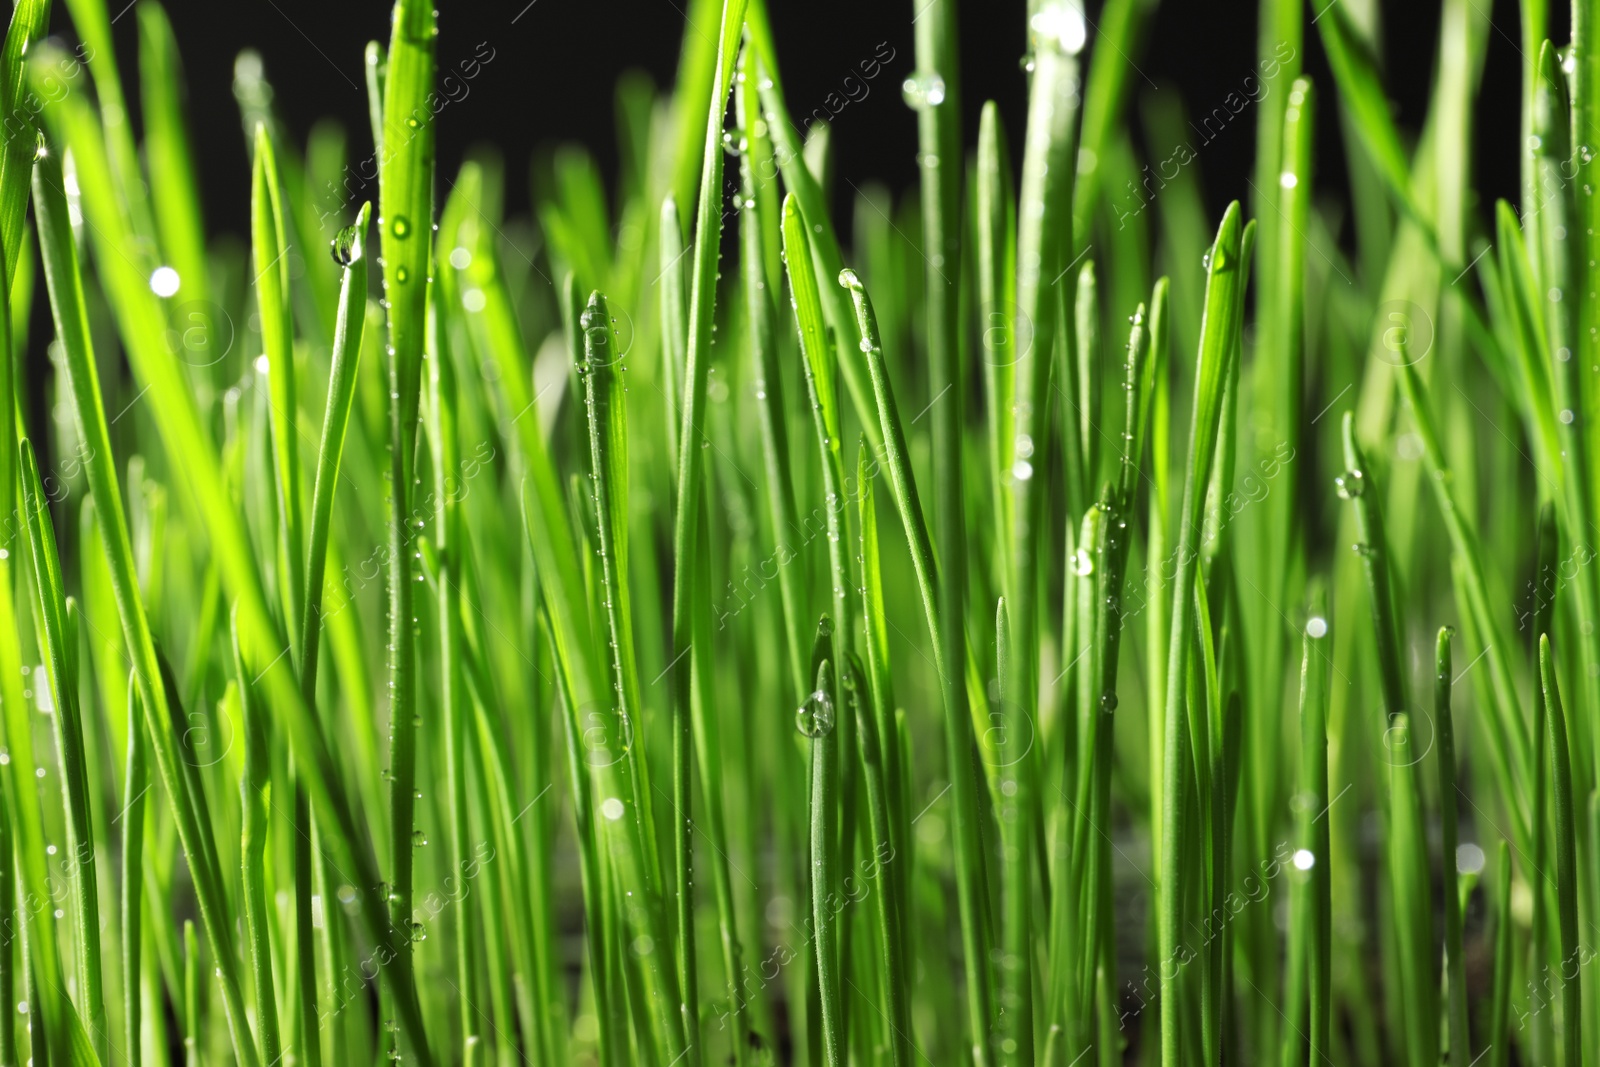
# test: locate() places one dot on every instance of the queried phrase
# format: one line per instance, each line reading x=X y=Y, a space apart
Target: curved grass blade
x=350 y=252
x=819 y=366
x=270 y=243
x=1226 y=268
x=349 y=249
x=1509 y=750
x=769 y=381
x=960 y=744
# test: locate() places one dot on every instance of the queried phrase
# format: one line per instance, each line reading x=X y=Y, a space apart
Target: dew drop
x=814 y=718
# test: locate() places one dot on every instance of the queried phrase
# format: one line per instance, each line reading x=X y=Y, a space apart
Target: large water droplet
x=348 y=245
x=1350 y=485
x=814 y=718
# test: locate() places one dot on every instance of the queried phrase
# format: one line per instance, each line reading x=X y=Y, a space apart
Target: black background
x=555 y=66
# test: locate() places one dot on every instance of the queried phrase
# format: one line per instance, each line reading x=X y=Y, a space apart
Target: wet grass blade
x=691 y=476
x=608 y=450
x=823 y=808
x=350 y=251
x=67 y=305
x=1226 y=270
x=200 y=475
x=405 y=225
x=959 y=739
x=1416 y=956
x=30 y=21
x=60 y=640
x=789 y=154
x=819 y=365
x=1510 y=750
x=759 y=288
x=1315 y=837
x=169 y=159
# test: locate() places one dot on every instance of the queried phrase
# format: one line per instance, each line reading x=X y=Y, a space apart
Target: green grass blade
x=884 y=871
x=789 y=154
x=1353 y=486
x=1226 y=270
x=881 y=686
x=1566 y=857
x=60 y=643
x=71 y=328
x=270 y=243
x=200 y=477
x=996 y=226
x=1455 y=963
x=1510 y=750
x=1315 y=837
x=1406 y=847
x=174 y=187
x=769 y=384
x=712 y=771
x=818 y=716
x=405 y=225
x=959 y=739
x=608 y=450
x=350 y=250
x=674 y=320
x=1499 y=1036
x=135 y=783
x=30 y=20
x=255 y=785
x=702 y=305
